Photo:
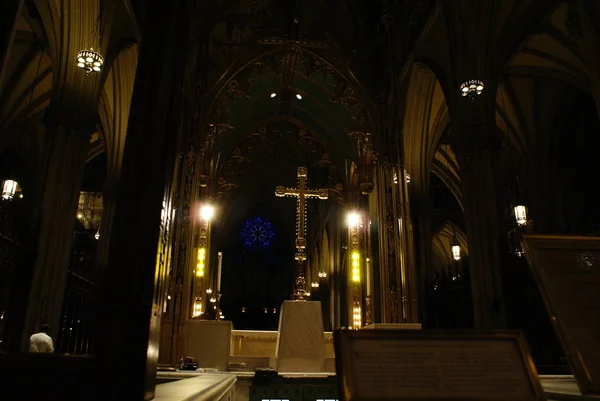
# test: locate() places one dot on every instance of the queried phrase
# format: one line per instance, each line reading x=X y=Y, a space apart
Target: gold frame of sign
x=563 y=267
x=402 y=365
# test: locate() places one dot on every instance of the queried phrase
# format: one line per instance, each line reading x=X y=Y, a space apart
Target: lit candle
x=219 y=263
x=368 y=274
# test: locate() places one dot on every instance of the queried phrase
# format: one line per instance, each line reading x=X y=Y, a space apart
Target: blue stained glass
x=257 y=233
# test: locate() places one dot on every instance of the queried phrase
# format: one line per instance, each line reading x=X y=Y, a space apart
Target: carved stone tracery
x=278 y=141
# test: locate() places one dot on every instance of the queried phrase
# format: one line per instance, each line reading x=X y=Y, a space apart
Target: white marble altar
x=264 y=343
x=208 y=341
x=393 y=326
x=300 y=345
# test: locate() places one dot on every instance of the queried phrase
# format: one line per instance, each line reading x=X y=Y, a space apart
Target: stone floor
x=563 y=388
x=556 y=387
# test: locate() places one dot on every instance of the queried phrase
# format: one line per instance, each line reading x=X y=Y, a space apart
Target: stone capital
x=69 y=117
x=473 y=139
x=421 y=205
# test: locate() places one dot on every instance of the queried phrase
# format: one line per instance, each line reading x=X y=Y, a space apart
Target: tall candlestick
x=219 y=263
x=368 y=275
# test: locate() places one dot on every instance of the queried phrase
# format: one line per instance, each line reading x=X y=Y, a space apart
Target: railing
x=78 y=322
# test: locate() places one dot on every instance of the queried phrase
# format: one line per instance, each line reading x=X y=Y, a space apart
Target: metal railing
x=78 y=321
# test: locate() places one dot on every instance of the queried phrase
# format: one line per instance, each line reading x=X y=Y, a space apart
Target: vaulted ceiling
x=331 y=59
x=286 y=69
x=540 y=61
x=30 y=80
x=295 y=87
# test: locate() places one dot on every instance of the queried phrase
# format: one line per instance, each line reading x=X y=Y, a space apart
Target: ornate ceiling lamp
x=90 y=60
x=472 y=88
x=455 y=247
x=521 y=215
x=9 y=189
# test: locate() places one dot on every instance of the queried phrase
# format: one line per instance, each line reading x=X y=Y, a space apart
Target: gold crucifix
x=301 y=193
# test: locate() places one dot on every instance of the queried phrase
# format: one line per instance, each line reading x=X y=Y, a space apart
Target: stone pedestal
x=300 y=345
x=393 y=326
x=208 y=341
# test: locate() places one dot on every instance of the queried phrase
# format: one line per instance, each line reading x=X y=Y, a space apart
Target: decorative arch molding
x=526 y=110
x=513 y=35
x=258 y=52
x=114 y=105
x=578 y=81
x=426 y=117
x=30 y=82
x=446 y=168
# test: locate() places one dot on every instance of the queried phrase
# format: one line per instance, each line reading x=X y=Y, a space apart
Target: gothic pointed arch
x=445 y=166
x=425 y=121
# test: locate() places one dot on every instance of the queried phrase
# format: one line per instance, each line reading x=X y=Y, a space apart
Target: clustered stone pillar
x=67 y=141
x=383 y=192
x=408 y=271
x=476 y=148
x=127 y=344
x=422 y=207
x=397 y=289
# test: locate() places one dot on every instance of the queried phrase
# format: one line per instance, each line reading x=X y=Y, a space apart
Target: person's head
x=45 y=328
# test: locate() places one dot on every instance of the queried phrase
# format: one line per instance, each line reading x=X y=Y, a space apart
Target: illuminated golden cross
x=301 y=194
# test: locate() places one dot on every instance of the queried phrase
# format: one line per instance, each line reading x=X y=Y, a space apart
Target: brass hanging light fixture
x=90 y=60
x=455 y=247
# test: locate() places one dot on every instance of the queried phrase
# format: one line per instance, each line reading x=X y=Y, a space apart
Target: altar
x=300 y=344
x=253 y=349
x=257 y=349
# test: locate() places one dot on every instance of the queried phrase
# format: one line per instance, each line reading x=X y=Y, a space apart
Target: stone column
x=405 y=269
x=131 y=300
x=540 y=187
x=381 y=293
x=476 y=148
x=413 y=298
x=67 y=137
x=394 y=297
x=422 y=207
x=10 y=10
x=185 y=243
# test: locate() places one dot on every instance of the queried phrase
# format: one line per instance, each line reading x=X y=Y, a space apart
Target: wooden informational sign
x=420 y=365
x=567 y=272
